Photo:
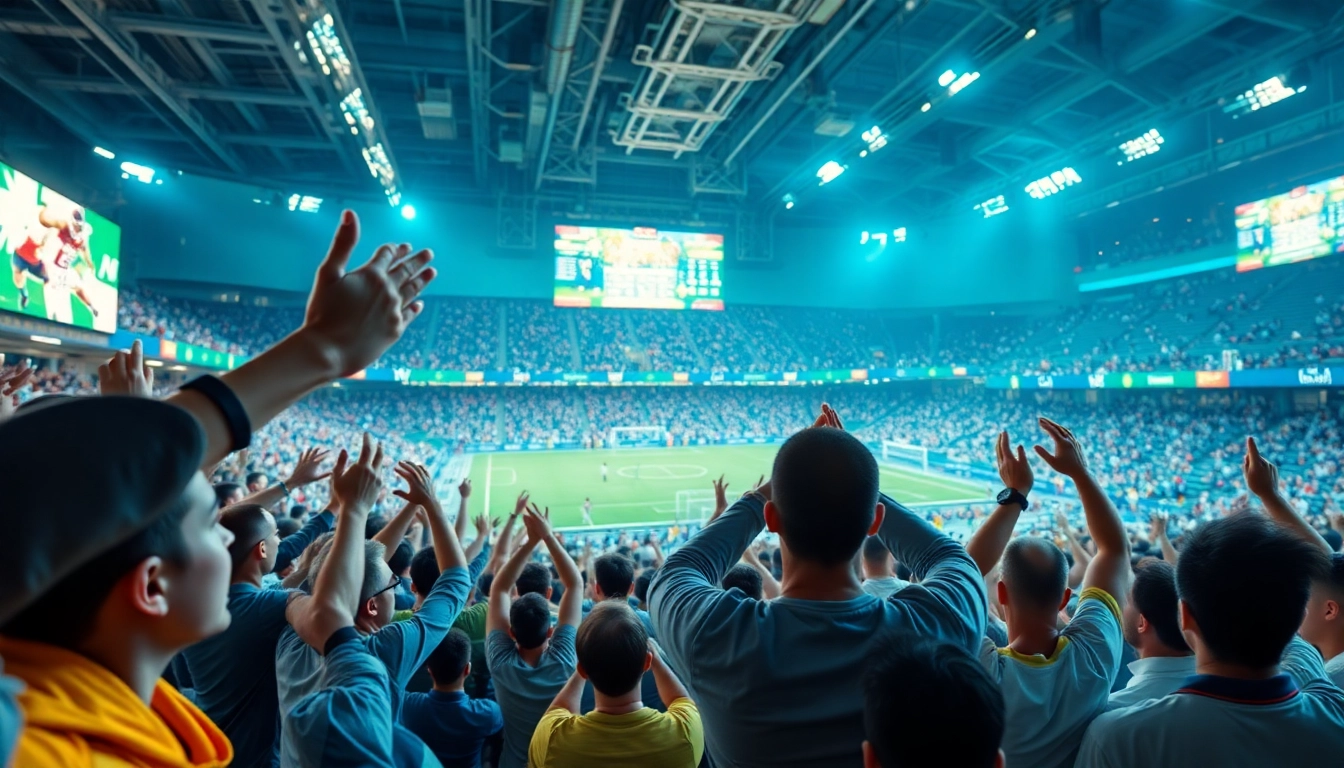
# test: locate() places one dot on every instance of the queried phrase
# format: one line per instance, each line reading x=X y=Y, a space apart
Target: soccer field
x=642 y=484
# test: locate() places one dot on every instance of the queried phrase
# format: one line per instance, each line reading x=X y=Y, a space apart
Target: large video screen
x=63 y=258
x=1305 y=223
x=639 y=268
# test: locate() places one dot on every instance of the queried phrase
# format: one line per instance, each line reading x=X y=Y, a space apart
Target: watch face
x=1005 y=495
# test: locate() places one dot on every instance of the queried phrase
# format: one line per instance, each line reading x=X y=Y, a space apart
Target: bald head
x=1035 y=572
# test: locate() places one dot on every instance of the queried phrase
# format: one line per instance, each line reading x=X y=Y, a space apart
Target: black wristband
x=235 y=416
x=338 y=638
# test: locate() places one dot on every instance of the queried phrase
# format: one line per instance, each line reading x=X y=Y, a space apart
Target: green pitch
x=642 y=484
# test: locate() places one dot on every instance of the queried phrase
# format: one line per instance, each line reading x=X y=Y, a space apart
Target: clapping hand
x=1014 y=469
x=353 y=317
x=1157 y=527
x=356 y=486
x=1262 y=477
x=419 y=485
x=127 y=374
x=1068 y=458
x=308 y=469
x=537 y=522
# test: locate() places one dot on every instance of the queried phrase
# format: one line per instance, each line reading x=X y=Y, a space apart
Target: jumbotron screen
x=639 y=268
x=1305 y=223
x=64 y=258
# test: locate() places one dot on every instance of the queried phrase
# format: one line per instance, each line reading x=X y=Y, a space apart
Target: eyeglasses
x=396 y=582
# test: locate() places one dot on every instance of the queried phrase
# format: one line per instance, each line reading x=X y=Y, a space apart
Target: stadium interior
x=665 y=232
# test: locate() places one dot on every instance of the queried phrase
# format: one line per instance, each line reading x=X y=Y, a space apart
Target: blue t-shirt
x=453 y=726
x=525 y=692
x=778 y=682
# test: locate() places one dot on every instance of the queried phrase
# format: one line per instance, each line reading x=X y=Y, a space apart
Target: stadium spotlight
x=1054 y=183
x=946 y=78
x=1030 y=34
x=829 y=171
x=992 y=207
x=305 y=203
x=1261 y=95
x=1149 y=143
x=927 y=106
x=962 y=82
x=789 y=201
x=408 y=211
x=141 y=173
x=875 y=139
x=105 y=153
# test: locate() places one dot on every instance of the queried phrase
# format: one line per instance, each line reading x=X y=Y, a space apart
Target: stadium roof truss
x=705 y=106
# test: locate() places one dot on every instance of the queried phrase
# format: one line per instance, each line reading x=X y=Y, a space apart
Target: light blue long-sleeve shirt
x=1292 y=719
x=778 y=683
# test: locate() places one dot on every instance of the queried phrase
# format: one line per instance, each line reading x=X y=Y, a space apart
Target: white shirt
x=1153 y=678
x=1048 y=702
x=884 y=586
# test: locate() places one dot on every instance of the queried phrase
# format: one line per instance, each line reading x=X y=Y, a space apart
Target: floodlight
x=829 y=171
x=1054 y=183
x=141 y=173
x=927 y=106
x=408 y=211
x=1030 y=33
x=304 y=203
x=876 y=140
x=992 y=207
x=1150 y=143
x=788 y=201
x=1262 y=95
x=107 y=153
x=962 y=82
x=946 y=78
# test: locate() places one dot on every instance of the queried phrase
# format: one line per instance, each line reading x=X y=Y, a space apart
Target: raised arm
x=721 y=498
x=1157 y=534
x=352 y=318
x=501 y=599
x=336 y=587
x=420 y=490
x=988 y=542
x=460 y=523
x=538 y=526
x=570 y=698
x=1262 y=479
x=1081 y=557
x=504 y=544
x=484 y=527
x=1109 y=569
x=669 y=687
x=769 y=585
x=395 y=530
x=308 y=470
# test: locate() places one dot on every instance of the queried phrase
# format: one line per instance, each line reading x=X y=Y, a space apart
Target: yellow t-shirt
x=644 y=739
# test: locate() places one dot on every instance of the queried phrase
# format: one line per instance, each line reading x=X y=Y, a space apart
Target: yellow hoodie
x=78 y=714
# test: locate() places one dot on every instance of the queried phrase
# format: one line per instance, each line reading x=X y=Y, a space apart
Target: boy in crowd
x=812 y=642
x=614 y=652
x=451 y=724
x=879 y=574
x=1152 y=628
x=530 y=660
x=913 y=684
x=90 y=639
x=745 y=578
x=1053 y=681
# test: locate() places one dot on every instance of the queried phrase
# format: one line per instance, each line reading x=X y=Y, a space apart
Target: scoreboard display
x=1304 y=223
x=637 y=268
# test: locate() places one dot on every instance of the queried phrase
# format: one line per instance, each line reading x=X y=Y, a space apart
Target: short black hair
x=534 y=579
x=1246 y=580
x=253 y=477
x=298 y=511
x=446 y=662
x=910 y=684
x=745 y=578
x=1035 y=571
x=424 y=571
x=483 y=583
x=1333 y=580
x=373 y=525
x=225 y=490
x=250 y=524
x=1154 y=594
x=825 y=487
x=642 y=584
x=615 y=574
x=874 y=551
x=530 y=618
x=401 y=557
x=287 y=526
x=64 y=615
x=612 y=645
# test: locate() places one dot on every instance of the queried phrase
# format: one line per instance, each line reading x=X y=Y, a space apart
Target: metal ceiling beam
x=203 y=92
x=127 y=51
x=182 y=26
x=19 y=69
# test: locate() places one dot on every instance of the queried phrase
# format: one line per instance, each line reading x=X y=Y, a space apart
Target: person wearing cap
x=125 y=568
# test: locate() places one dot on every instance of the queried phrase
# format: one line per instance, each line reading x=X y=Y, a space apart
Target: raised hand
x=1068 y=458
x=308 y=469
x=11 y=381
x=1157 y=527
x=537 y=523
x=1062 y=521
x=419 y=485
x=520 y=506
x=484 y=526
x=1014 y=469
x=464 y=488
x=356 y=486
x=1262 y=477
x=127 y=374
x=355 y=316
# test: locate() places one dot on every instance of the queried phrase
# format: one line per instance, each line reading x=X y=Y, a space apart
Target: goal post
x=694 y=506
x=632 y=437
x=894 y=450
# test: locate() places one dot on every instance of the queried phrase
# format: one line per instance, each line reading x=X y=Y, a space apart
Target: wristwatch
x=1011 y=496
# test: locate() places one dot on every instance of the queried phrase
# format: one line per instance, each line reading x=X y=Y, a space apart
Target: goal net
x=631 y=437
x=893 y=450
x=694 y=506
